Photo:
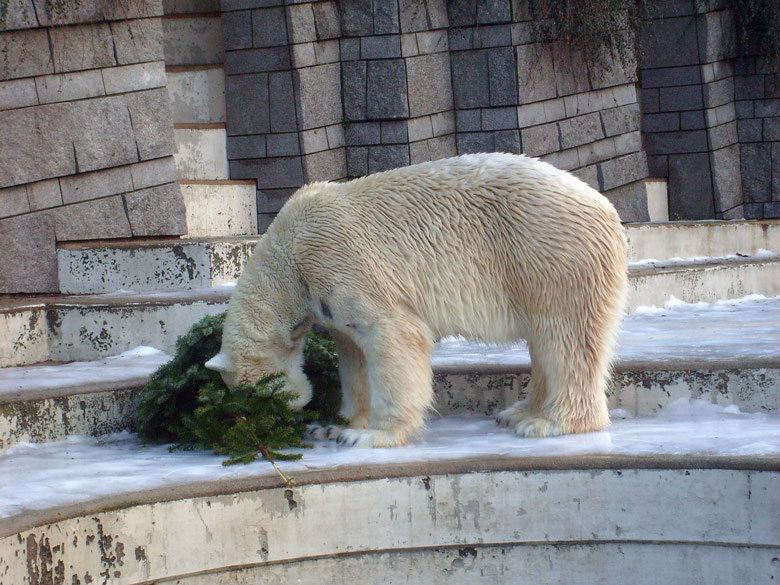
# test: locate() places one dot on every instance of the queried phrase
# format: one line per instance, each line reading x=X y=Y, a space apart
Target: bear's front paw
x=537 y=427
x=316 y=432
x=368 y=438
x=510 y=417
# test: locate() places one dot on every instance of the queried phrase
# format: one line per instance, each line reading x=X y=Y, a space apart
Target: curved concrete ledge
x=474 y=516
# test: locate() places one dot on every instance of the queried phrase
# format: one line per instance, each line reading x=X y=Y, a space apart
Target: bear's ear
x=220 y=363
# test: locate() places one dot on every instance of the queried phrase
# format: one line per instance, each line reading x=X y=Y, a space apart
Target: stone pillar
x=87 y=136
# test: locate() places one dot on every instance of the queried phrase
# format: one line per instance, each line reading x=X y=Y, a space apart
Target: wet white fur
x=494 y=247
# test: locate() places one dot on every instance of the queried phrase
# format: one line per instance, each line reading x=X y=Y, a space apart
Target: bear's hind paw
x=510 y=417
x=537 y=427
x=315 y=432
x=368 y=438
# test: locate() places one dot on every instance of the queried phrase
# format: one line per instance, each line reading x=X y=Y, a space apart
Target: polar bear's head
x=258 y=341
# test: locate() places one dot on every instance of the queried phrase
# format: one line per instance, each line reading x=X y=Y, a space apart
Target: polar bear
x=491 y=247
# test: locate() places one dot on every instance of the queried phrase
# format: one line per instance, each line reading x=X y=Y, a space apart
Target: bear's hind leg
x=399 y=372
x=575 y=364
x=536 y=393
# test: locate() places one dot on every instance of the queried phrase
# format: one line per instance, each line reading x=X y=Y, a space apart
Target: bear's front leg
x=398 y=357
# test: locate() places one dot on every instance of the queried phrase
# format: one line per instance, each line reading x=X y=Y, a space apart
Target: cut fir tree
x=189 y=405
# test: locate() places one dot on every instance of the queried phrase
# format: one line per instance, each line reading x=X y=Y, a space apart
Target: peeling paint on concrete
x=24 y=339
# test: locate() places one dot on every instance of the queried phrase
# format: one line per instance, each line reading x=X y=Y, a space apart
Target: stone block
x=350 y=49
x=767 y=108
x=303 y=55
x=630 y=202
x=354 y=90
x=492 y=11
x=749 y=87
x=420 y=128
x=386 y=19
x=676 y=142
x=394 y=132
x=314 y=140
x=270 y=173
x=690 y=187
x=692 y=120
x=469 y=142
x=535 y=73
x=462 y=12
x=386 y=157
x=357 y=161
x=301 y=21
x=18 y=14
x=29 y=254
x=726 y=178
x=153 y=172
x=269 y=28
x=756 y=167
x=753 y=210
x=650 y=101
x=443 y=123
x=357 y=18
x=718 y=93
x=723 y=135
x=658 y=166
x=138 y=41
x=571 y=71
x=432 y=149
x=434 y=41
x=461 y=39
x=152 y=123
x=671 y=76
x=563 y=159
x=588 y=175
x=44 y=194
x=749 y=130
x=257 y=60
x=326 y=19
x=247 y=103
x=283 y=144
x=620 y=120
x=237 y=30
x=96 y=185
x=420 y=15
x=17 y=93
x=228 y=5
x=499 y=118
x=430 y=86
x=623 y=170
x=598 y=151
x=670 y=42
x=25 y=54
x=143 y=210
x=381 y=47
x=502 y=76
x=326 y=51
x=335 y=135
x=468 y=120
x=409 y=46
x=531 y=115
x=13 y=201
x=283 y=114
x=470 y=85
x=581 y=130
x=771 y=210
x=134 y=77
x=93 y=220
x=328 y=165
x=626 y=143
x=486 y=37
x=717 y=36
x=252 y=146
x=386 y=94
x=76 y=48
x=612 y=70
x=776 y=172
x=720 y=115
x=507 y=141
x=319 y=96
x=744 y=109
x=540 y=140
x=272 y=200
x=70 y=86
x=678 y=99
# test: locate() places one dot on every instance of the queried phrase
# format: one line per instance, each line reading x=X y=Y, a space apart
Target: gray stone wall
x=708 y=117
x=368 y=85
x=86 y=135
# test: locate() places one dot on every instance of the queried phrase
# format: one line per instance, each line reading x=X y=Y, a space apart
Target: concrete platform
x=201 y=152
x=220 y=208
x=197 y=93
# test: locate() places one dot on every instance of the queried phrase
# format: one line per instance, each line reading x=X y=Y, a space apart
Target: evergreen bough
x=187 y=404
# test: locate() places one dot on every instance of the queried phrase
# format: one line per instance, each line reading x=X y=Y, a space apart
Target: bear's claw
x=368 y=438
x=510 y=417
x=316 y=432
x=537 y=427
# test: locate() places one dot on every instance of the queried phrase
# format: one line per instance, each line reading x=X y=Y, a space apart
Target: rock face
x=87 y=137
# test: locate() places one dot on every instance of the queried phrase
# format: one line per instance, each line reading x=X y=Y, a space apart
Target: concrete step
x=193 y=39
x=220 y=208
x=701 y=238
x=197 y=93
x=106 y=266
x=201 y=152
x=91 y=327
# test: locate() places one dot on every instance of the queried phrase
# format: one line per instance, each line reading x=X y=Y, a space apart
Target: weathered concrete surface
x=53 y=419
x=24 y=338
x=220 y=208
x=522 y=507
x=701 y=238
x=201 y=152
x=197 y=94
x=108 y=266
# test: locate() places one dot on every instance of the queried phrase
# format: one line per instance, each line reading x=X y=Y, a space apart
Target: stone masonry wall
x=370 y=85
x=710 y=120
x=86 y=134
